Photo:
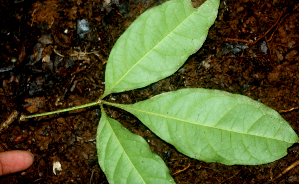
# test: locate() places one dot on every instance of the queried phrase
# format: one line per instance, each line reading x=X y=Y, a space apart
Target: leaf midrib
x=149 y=52
x=190 y=122
x=112 y=130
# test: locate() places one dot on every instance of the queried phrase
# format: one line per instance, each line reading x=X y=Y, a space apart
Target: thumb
x=15 y=161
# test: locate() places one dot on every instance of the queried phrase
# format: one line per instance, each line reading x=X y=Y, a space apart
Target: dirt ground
x=53 y=55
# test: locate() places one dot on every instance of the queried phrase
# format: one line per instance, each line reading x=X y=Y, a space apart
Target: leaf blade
x=157 y=44
x=216 y=126
x=125 y=157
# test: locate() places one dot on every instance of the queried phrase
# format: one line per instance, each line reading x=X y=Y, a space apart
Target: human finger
x=15 y=161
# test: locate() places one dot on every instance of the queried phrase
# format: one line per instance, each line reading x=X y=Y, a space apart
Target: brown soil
x=252 y=49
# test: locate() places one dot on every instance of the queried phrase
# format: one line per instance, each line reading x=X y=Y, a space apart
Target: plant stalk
x=23 y=117
x=110 y=103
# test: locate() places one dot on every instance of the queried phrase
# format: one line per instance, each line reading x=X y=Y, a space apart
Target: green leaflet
x=216 y=126
x=157 y=44
x=125 y=157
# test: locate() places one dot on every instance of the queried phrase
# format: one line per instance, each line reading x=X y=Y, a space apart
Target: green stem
x=111 y=104
x=23 y=117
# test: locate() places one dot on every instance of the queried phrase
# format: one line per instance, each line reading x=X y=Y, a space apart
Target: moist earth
x=53 y=56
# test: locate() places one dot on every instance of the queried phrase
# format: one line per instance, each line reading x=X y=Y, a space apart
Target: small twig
x=11 y=118
x=289 y=110
x=56 y=52
x=179 y=171
x=265 y=34
x=78 y=54
x=292 y=166
x=268 y=45
x=236 y=40
x=90 y=180
x=272 y=34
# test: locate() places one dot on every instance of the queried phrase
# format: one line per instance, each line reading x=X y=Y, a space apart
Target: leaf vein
x=129 y=70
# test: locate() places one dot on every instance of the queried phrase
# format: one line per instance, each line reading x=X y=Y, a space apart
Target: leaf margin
x=157 y=164
x=165 y=136
x=117 y=65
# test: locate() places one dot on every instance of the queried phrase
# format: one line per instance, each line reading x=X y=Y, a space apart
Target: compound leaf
x=216 y=126
x=157 y=44
x=125 y=157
